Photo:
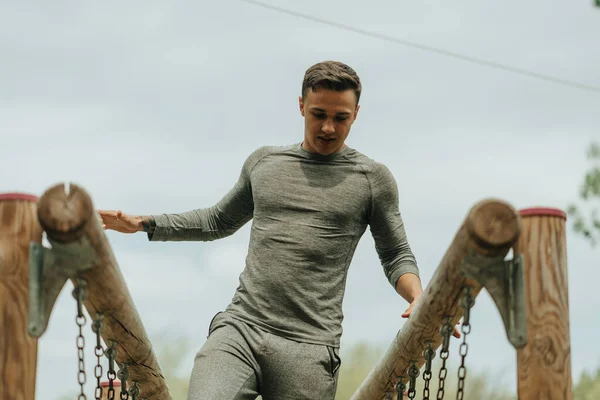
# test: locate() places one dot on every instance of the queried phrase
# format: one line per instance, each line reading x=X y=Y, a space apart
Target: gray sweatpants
x=239 y=361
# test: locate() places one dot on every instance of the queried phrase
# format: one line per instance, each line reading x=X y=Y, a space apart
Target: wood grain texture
x=18 y=351
x=490 y=230
x=68 y=217
x=544 y=364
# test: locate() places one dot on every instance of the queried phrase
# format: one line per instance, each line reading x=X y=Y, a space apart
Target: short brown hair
x=332 y=75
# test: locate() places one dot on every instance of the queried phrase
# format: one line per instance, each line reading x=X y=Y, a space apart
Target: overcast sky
x=153 y=107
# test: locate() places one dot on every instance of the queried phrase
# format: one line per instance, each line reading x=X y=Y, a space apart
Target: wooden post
x=68 y=216
x=18 y=351
x=544 y=364
x=489 y=231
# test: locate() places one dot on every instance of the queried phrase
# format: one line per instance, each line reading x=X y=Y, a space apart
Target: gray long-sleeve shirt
x=309 y=211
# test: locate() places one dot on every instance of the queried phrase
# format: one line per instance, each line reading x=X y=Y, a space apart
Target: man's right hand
x=117 y=221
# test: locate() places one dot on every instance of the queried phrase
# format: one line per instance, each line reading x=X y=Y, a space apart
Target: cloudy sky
x=153 y=107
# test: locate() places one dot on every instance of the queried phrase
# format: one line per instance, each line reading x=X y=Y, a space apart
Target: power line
x=430 y=49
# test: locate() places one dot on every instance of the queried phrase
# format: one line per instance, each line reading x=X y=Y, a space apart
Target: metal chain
x=123 y=376
x=428 y=354
x=99 y=352
x=134 y=391
x=467 y=302
x=446 y=331
x=400 y=388
x=111 y=354
x=80 y=293
x=413 y=374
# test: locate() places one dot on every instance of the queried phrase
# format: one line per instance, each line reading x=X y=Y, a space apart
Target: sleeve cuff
x=161 y=231
x=401 y=270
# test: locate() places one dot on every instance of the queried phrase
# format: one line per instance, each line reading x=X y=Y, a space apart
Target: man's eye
x=341 y=119
x=320 y=116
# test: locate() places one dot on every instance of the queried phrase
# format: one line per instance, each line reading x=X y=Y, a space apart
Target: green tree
x=586 y=214
x=356 y=364
x=588 y=387
x=172 y=353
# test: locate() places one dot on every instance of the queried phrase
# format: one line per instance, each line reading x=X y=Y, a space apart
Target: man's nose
x=328 y=127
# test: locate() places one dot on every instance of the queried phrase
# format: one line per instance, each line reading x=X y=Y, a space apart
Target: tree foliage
x=586 y=214
x=588 y=387
x=172 y=354
x=356 y=365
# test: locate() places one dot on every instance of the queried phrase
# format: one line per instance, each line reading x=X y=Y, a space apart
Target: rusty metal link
x=123 y=376
x=429 y=355
x=99 y=352
x=400 y=387
x=80 y=294
x=134 y=391
x=446 y=331
x=467 y=303
x=413 y=374
x=111 y=354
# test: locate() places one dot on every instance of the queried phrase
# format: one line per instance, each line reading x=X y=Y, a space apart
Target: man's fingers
x=107 y=215
x=456 y=333
x=406 y=313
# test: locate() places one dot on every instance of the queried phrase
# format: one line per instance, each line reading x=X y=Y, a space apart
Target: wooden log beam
x=489 y=231
x=544 y=364
x=18 y=351
x=67 y=215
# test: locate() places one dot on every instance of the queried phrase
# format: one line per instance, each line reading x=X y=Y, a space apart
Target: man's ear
x=301 y=105
x=356 y=111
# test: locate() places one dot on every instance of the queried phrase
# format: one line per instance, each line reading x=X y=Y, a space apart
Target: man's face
x=328 y=116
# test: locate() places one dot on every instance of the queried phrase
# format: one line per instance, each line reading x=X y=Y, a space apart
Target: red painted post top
x=542 y=212
x=116 y=383
x=18 y=196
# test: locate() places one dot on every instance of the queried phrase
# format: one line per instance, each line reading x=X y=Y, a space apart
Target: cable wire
x=463 y=57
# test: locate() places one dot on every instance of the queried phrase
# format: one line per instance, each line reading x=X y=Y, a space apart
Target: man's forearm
x=409 y=287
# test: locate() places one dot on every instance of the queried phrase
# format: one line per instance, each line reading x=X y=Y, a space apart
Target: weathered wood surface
x=67 y=217
x=489 y=231
x=18 y=351
x=544 y=364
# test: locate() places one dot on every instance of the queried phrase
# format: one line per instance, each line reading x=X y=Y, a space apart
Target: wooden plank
x=67 y=214
x=489 y=231
x=544 y=364
x=18 y=351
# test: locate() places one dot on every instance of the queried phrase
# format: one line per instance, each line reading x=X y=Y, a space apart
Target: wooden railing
x=67 y=215
x=531 y=294
x=488 y=232
x=530 y=291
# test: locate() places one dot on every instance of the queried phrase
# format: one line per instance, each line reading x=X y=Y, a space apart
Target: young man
x=309 y=203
